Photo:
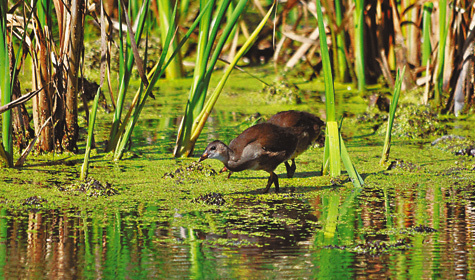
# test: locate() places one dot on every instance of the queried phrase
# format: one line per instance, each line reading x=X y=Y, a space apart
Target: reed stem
x=90 y=134
x=392 y=114
x=359 y=45
x=5 y=88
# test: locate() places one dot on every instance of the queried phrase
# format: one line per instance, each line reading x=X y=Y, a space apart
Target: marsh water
x=168 y=218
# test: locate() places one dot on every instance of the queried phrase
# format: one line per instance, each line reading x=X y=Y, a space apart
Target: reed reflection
x=377 y=232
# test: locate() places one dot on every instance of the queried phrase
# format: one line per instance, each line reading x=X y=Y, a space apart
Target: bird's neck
x=233 y=161
x=226 y=156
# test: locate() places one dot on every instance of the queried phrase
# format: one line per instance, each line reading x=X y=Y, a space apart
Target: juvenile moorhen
x=261 y=147
x=307 y=127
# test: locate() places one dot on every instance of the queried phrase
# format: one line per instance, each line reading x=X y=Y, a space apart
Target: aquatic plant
x=93 y=188
x=443 y=33
x=90 y=134
x=340 y=42
x=392 y=113
x=175 y=68
x=415 y=121
x=6 y=150
x=196 y=111
x=457 y=145
x=127 y=57
x=426 y=31
x=158 y=70
x=335 y=150
x=52 y=49
x=360 y=43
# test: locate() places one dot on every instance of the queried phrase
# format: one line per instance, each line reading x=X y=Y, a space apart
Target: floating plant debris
x=191 y=168
x=424 y=229
x=282 y=92
x=455 y=144
x=210 y=199
x=35 y=201
x=92 y=187
x=401 y=164
x=340 y=180
x=415 y=121
x=374 y=248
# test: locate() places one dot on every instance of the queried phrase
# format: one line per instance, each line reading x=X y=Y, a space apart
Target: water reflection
x=258 y=235
x=288 y=236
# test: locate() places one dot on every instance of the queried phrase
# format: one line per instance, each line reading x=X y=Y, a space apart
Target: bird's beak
x=203 y=157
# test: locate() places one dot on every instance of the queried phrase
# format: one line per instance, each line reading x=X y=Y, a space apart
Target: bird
x=307 y=127
x=260 y=147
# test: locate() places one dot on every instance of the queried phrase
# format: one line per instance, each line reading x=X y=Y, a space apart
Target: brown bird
x=307 y=127
x=261 y=147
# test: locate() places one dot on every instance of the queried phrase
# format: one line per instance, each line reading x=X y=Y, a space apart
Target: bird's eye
x=213 y=148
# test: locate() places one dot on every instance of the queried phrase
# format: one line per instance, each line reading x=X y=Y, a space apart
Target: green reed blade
x=175 y=69
x=201 y=119
x=201 y=79
x=359 y=44
x=335 y=150
x=129 y=124
x=441 y=52
x=90 y=133
x=426 y=32
x=157 y=72
x=326 y=154
x=184 y=5
x=340 y=42
x=327 y=71
x=350 y=168
x=198 y=94
x=125 y=70
x=5 y=88
x=135 y=52
x=22 y=41
x=332 y=132
x=392 y=113
x=333 y=135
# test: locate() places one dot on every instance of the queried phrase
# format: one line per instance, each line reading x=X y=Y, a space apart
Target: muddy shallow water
x=173 y=218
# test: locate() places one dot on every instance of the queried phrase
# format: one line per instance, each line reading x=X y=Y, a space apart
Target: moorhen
x=260 y=147
x=306 y=126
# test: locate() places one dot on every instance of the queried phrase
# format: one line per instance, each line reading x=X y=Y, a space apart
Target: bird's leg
x=224 y=170
x=293 y=168
x=290 y=168
x=273 y=179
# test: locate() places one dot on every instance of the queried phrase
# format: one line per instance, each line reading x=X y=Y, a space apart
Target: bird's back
x=306 y=126
x=263 y=147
